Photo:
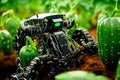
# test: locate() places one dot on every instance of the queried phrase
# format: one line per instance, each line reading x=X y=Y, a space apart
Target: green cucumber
x=28 y=52
x=6 y=42
x=108 y=32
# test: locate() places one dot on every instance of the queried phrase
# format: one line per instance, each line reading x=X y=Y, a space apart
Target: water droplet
x=2 y=38
x=8 y=46
x=113 y=41
x=111 y=47
x=112 y=62
x=119 y=63
x=105 y=44
x=4 y=42
x=105 y=29
x=101 y=53
x=111 y=34
x=106 y=49
x=105 y=59
x=118 y=52
x=111 y=54
x=8 y=41
x=111 y=50
x=118 y=27
x=119 y=42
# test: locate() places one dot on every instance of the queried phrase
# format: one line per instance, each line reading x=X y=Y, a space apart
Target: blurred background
x=85 y=12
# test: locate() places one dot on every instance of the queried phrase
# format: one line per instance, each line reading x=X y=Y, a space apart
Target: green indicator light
x=57 y=24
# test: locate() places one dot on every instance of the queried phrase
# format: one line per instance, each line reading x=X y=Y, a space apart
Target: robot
x=57 y=51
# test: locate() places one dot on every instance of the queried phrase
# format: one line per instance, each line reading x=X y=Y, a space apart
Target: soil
x=90 y=63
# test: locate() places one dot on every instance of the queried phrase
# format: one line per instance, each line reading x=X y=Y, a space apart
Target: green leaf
x=74 y=16
x=79 y=75
x=4 y=1
x=12 y=25
x=23 y=1
x=63 y=5
x=84 y=19
x=101 y=6
x=5 y=16
x=53 y=9
x=87 y=4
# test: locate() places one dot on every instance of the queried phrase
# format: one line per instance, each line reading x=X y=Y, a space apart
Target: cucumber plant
x=108 y=31
x=11 y=22
x=12 y=25
x=6 y=42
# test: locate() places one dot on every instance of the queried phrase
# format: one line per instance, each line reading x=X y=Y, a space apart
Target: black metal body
x=56 y=49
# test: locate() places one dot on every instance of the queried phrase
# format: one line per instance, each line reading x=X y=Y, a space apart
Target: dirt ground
x=90 y=63
x=93 y=63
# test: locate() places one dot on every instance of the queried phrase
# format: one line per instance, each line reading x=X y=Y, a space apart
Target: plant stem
x=70 y=3
x=1 y=25
x=116 y=5
x=115 y=9
x=32 y=44
x=72 y=7
x=27 y=41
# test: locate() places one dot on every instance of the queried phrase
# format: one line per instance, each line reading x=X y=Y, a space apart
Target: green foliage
x=79 y=75
x=12 y=25
x=5 y=16
x=74 y=16
x=6 y=40
x=86 y=10
x=53 y=9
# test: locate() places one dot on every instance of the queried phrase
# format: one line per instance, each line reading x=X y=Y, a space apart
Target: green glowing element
x=57 y=24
